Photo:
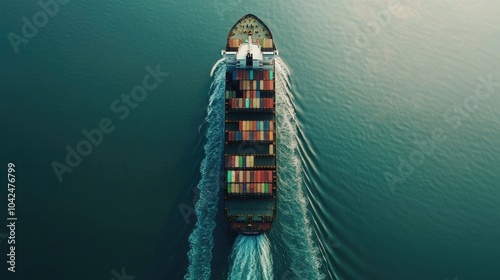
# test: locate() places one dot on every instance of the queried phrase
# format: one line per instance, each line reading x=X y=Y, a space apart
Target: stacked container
x=234 y=43
x=254 y=176
x=256 y=125
x=267 y=43
x=250 y=188
x=240 y=161
x=251 y=103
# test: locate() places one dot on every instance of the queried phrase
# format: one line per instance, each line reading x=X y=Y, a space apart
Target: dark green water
x=371 y=82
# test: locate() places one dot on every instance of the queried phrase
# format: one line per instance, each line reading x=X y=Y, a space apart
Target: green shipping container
x=229 y=176
x=247 y=103
x=271 y=75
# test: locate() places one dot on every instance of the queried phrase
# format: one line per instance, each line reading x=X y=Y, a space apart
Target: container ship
x=250 y=127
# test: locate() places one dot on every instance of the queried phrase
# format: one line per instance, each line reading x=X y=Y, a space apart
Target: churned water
x=388 y=128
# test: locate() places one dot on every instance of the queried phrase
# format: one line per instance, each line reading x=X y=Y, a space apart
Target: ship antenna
x=249 y=43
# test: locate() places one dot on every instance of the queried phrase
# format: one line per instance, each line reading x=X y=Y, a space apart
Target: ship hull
x=250 y=173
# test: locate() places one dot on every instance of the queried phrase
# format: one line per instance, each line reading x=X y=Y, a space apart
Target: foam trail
x=216 y=65
x=292 y=223
x=201 y=238
x=251 y=258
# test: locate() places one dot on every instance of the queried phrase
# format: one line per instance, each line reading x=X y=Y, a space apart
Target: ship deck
x=250 y=25
x=255 y=207
x=250 y=128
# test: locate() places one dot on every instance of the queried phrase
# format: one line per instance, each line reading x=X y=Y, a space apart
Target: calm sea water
x=392 y=126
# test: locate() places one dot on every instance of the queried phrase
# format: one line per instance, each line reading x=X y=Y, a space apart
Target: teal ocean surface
x=389 y=130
